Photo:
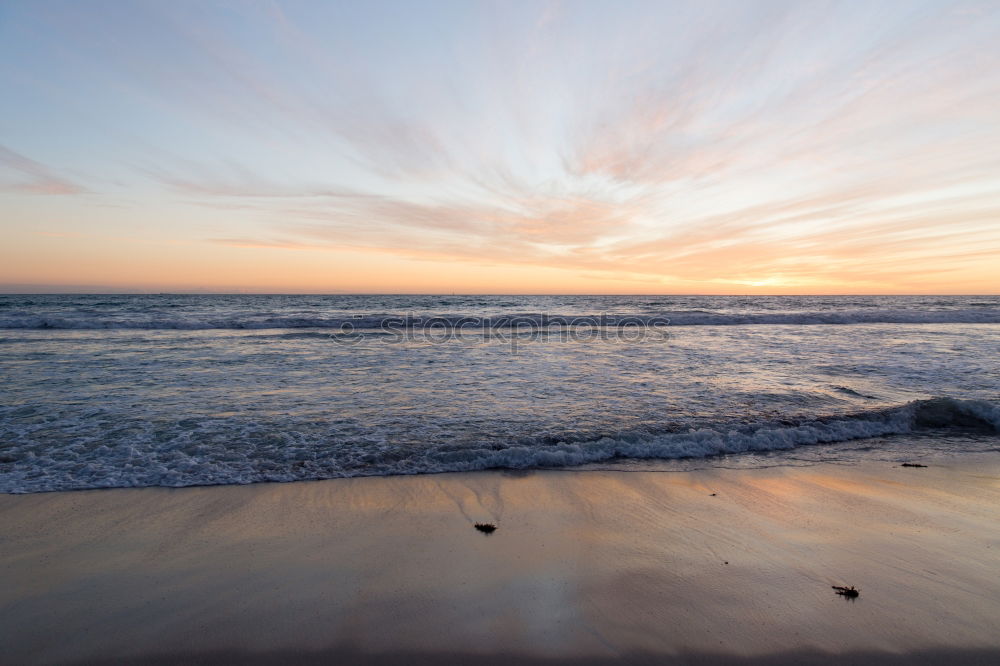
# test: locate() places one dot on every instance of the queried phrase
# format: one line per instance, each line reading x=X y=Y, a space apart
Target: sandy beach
x=586 y=567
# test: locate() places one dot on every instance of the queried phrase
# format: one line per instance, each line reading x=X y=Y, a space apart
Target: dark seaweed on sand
x=488 y=528
x=850 y=592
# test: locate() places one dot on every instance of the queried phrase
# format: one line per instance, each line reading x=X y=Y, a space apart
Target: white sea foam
x=237 y=453
x=139 y=400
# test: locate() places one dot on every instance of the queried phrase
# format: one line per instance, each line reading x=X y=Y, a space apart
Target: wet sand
x=586 y=567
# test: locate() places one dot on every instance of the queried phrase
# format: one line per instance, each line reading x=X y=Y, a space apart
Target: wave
x=246 y=455
x=528 y=321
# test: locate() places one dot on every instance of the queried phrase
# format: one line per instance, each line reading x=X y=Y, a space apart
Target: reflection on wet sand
x=584 y=565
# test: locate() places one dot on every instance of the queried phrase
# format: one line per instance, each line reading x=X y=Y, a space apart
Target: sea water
x=174 y=390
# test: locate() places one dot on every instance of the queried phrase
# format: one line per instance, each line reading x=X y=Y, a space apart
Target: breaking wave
x=234 y=451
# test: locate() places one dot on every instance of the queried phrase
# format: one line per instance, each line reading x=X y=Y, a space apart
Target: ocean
x=102 y=391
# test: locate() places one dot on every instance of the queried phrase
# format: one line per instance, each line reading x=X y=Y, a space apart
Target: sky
x=500 y=147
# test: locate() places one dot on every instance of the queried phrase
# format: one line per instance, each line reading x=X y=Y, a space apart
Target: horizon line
x=380 y=293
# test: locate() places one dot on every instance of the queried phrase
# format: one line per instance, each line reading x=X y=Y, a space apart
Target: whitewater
x=104 y=391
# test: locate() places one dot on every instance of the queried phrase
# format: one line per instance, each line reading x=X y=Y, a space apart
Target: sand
x=586 y=567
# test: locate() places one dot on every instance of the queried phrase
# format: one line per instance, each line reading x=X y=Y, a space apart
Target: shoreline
x=586 y=567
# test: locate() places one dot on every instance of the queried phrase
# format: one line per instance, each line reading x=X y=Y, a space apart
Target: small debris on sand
x=847 y=591
x=712 y=495
x=488 y=528
x=912 y=465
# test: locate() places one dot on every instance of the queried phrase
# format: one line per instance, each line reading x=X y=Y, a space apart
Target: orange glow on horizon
x=325 y=148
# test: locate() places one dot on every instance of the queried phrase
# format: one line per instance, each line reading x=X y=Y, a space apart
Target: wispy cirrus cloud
x=22 y=174
x=236 y=182
x=773 y=143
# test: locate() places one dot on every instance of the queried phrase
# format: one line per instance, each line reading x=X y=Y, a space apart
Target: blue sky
x=501 y=147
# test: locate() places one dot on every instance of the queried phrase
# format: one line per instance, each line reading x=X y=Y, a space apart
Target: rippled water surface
x=103 y=391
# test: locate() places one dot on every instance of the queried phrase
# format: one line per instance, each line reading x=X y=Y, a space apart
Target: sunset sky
x=500 y=147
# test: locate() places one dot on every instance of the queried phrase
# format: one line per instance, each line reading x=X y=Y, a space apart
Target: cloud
x=235 y=182
x=693 y=143
x=21 y=174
